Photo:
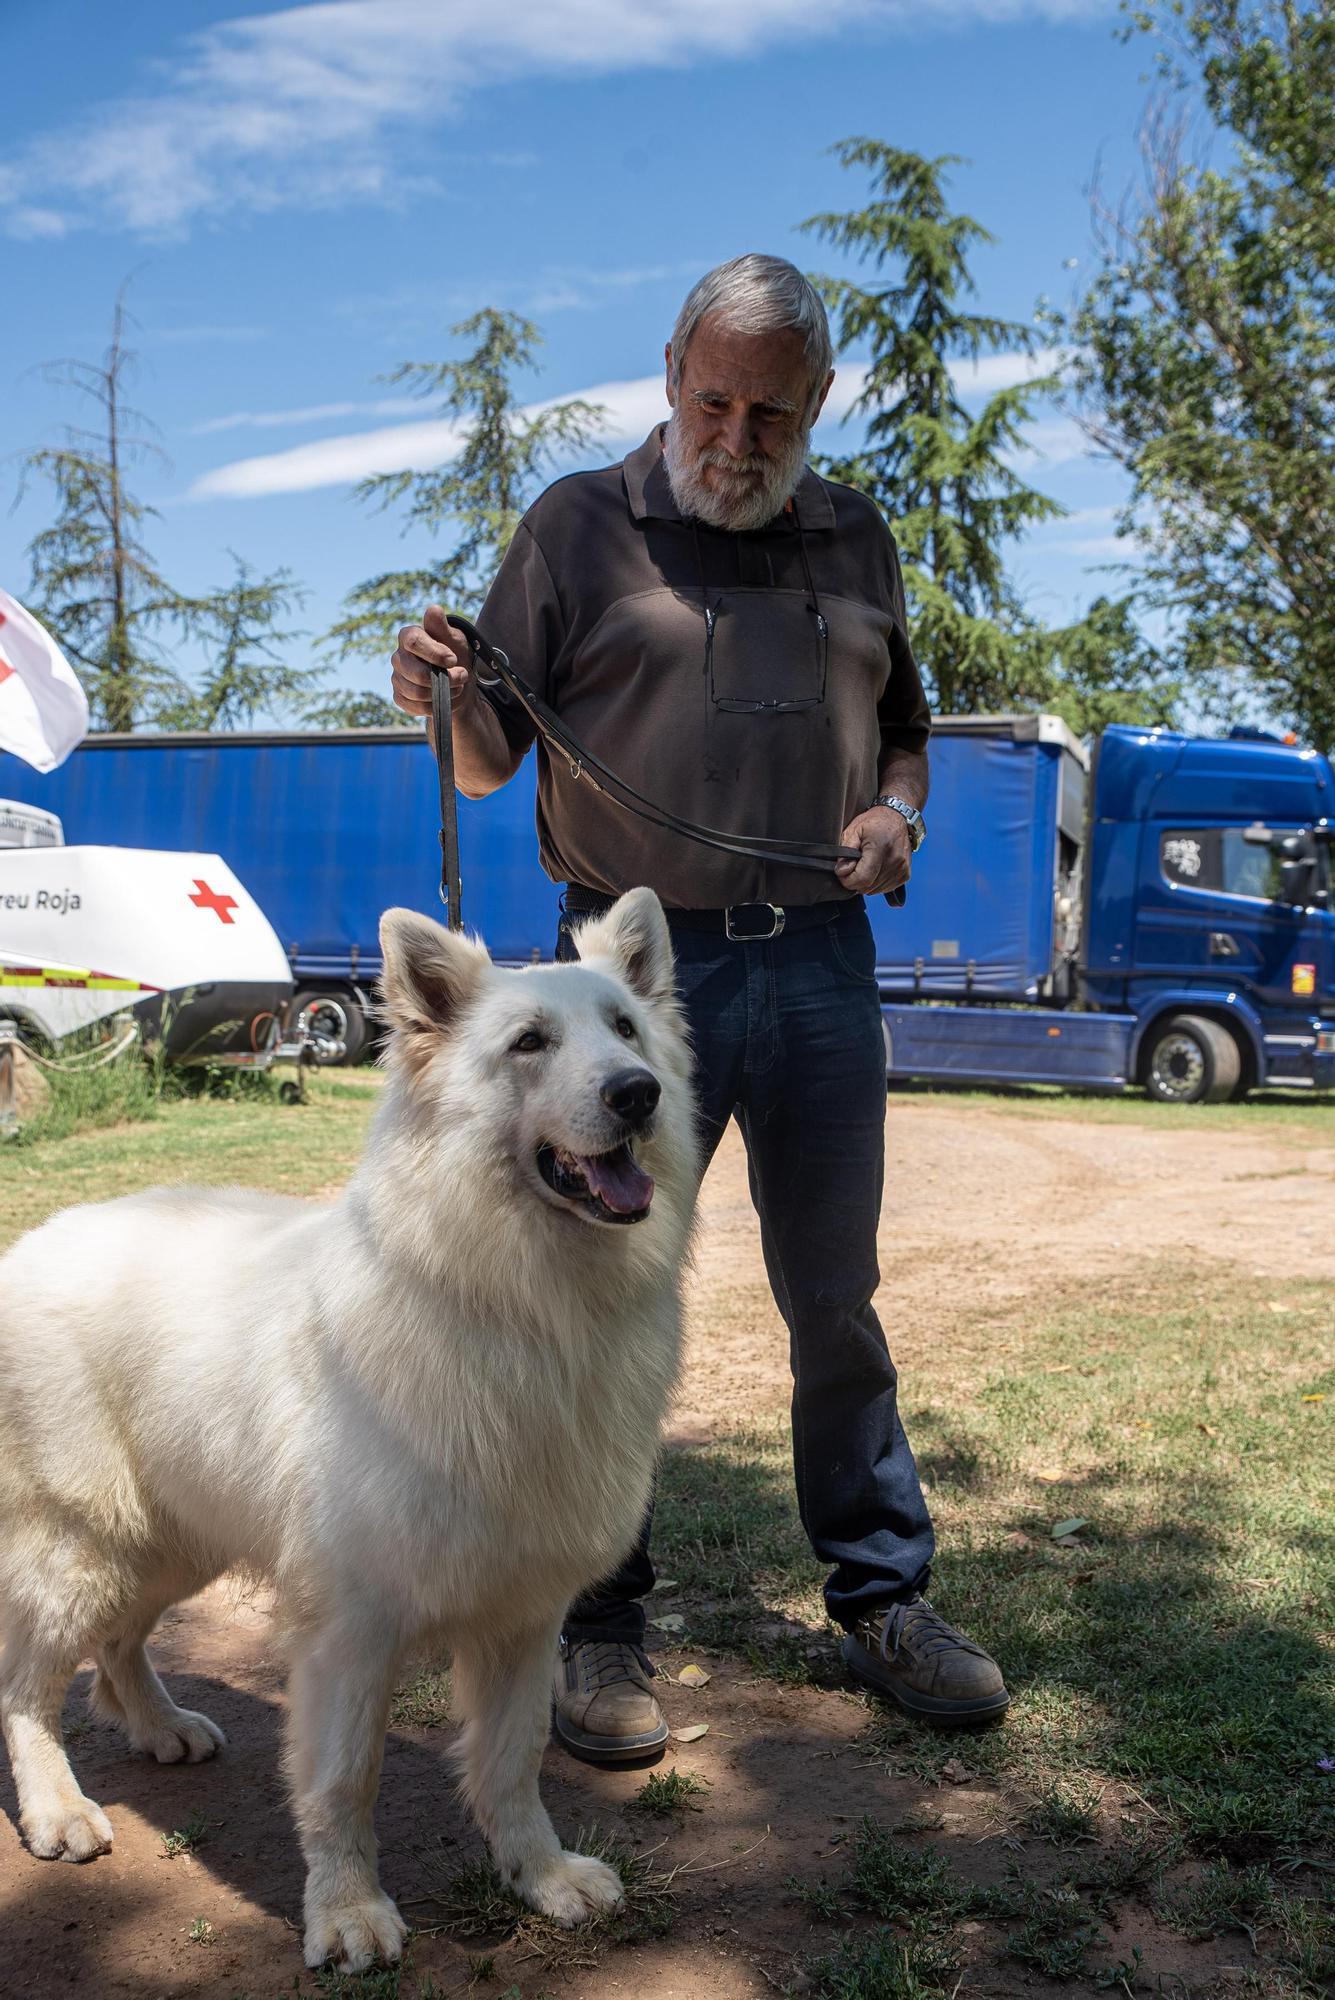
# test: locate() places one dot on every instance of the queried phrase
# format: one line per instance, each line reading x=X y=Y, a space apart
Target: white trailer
x=175 y=940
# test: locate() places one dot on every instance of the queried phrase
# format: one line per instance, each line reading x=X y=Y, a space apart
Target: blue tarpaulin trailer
x=1158 y=913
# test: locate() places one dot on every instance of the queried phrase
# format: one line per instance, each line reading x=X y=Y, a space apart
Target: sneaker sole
x=926 y=1707
x=611 y=1749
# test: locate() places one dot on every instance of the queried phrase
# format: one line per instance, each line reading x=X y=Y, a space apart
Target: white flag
x=43 y=709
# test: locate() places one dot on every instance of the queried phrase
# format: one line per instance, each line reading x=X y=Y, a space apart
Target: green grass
x=185 y=1839
x=1054 y=1928
x=249 y=1140
x=1180 y=1645
x=1171 y=1668
x=423 y=1700
x=670 y=1792
x=892 y=1881
x=884 y=1965
x=1279 y=1113
x=1063 y=1814
x=473 y=1903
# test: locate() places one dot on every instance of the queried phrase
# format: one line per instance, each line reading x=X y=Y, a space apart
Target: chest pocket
x=767 y=651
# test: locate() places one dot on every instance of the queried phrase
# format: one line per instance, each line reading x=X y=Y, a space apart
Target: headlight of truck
x=1325 y=1041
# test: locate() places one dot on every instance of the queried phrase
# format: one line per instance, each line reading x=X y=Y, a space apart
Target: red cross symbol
x=5 y=669
x=209 y=899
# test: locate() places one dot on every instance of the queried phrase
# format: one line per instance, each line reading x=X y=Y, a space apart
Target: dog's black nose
x=633 y=1095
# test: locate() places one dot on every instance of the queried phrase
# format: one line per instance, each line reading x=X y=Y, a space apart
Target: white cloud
x=321 y=103
x=1051 y=441
x=1104 y=547
x=316 y=413
x=207 y=334
x=337 y=461
x=991 y=372
x=631 y=408
x=1089 y=517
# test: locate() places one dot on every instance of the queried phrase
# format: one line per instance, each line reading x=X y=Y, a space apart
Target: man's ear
x=430 y=973
x=633 y=941
x=671 y=385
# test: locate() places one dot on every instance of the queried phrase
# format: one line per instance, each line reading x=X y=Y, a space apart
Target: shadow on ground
x=1132 y=1657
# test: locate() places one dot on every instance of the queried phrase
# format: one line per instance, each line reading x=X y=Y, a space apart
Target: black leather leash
x=451 y=884
x=818 y=857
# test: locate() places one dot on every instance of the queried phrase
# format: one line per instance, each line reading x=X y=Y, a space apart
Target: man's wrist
x=909 y=813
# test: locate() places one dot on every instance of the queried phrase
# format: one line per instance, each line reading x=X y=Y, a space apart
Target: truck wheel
x=334 y=1021
x=1192 y=1060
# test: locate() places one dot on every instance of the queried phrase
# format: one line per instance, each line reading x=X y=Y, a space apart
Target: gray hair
x=758 y=294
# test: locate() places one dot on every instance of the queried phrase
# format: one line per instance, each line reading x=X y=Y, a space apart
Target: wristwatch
x=912 y=818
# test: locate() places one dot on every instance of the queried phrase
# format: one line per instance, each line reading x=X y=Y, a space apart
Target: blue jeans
x=787 y=1039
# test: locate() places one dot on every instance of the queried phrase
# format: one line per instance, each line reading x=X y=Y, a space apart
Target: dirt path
x=983 y=1207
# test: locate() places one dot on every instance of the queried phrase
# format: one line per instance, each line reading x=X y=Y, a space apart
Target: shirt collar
x=649 y=495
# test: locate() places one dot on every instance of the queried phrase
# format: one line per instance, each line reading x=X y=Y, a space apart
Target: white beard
x=736 y=504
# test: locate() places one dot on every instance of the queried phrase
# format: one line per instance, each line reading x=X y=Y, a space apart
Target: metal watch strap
x=911 y=816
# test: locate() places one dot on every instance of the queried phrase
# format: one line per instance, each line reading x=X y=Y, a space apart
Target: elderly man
x=727 y=631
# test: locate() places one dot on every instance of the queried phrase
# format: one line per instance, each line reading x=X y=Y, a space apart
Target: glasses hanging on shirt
x=767 y=650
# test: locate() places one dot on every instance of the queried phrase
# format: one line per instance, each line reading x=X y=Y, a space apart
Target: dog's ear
x=633 y=939
x=430 y=973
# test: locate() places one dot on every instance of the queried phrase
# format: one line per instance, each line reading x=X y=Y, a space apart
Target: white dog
x=429 y=1411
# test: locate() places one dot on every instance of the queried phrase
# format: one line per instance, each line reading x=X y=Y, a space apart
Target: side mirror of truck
x=1297 y=854
x=1297 y=881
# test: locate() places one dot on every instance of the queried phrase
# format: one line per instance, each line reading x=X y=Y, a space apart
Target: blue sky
x=304 y=195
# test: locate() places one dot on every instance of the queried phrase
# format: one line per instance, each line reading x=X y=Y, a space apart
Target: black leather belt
x=744 y=923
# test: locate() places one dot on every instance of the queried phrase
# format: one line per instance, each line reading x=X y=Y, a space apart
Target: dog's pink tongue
x=619 y=1182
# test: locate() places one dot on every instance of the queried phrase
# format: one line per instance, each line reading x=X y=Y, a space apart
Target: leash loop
x=816 y=857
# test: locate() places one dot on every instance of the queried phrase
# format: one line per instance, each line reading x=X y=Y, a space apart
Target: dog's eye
x=625 y=1027
x=526 y=1043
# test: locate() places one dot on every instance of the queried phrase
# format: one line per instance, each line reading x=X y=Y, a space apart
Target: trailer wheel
x=1192 y=1060
x=334 y=1021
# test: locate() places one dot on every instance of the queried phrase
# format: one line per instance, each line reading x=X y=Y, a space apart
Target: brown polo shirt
x=747 y=682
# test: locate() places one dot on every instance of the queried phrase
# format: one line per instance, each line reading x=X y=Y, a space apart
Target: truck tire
x=1191 y=1060
x=331 y=1016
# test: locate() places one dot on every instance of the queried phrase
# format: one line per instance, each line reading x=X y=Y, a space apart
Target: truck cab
x=1207 y=894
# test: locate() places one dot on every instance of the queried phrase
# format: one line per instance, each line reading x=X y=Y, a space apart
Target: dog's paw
x=572 y=1888
x=70 y=1832
x=183 y=1737
x=355 y=1934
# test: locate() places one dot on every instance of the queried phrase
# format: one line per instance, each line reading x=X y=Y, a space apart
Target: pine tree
x=93 y=582
x=943 y=475
x=938 y=472
x=246 y=671
x=480 y=493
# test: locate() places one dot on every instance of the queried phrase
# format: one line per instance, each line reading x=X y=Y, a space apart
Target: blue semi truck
x=1154 y=913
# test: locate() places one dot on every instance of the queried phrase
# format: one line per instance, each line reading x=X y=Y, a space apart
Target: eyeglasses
x=728 y=701
x=780 y=643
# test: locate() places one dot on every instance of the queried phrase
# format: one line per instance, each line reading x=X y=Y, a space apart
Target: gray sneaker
x=910 y=1653
x=603 y=1705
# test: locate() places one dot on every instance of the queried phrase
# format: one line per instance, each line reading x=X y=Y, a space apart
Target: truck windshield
x=1218 y=860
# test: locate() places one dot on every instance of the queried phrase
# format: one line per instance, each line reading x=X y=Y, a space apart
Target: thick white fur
x=428 y=1412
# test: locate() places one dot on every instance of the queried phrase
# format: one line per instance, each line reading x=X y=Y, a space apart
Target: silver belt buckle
x=753 y=937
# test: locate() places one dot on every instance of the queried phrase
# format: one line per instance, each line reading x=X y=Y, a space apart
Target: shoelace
x=930 y=1633
x=604 y=1662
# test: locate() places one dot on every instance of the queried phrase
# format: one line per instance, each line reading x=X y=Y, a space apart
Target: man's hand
x=886 y=859
x=433 y=642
